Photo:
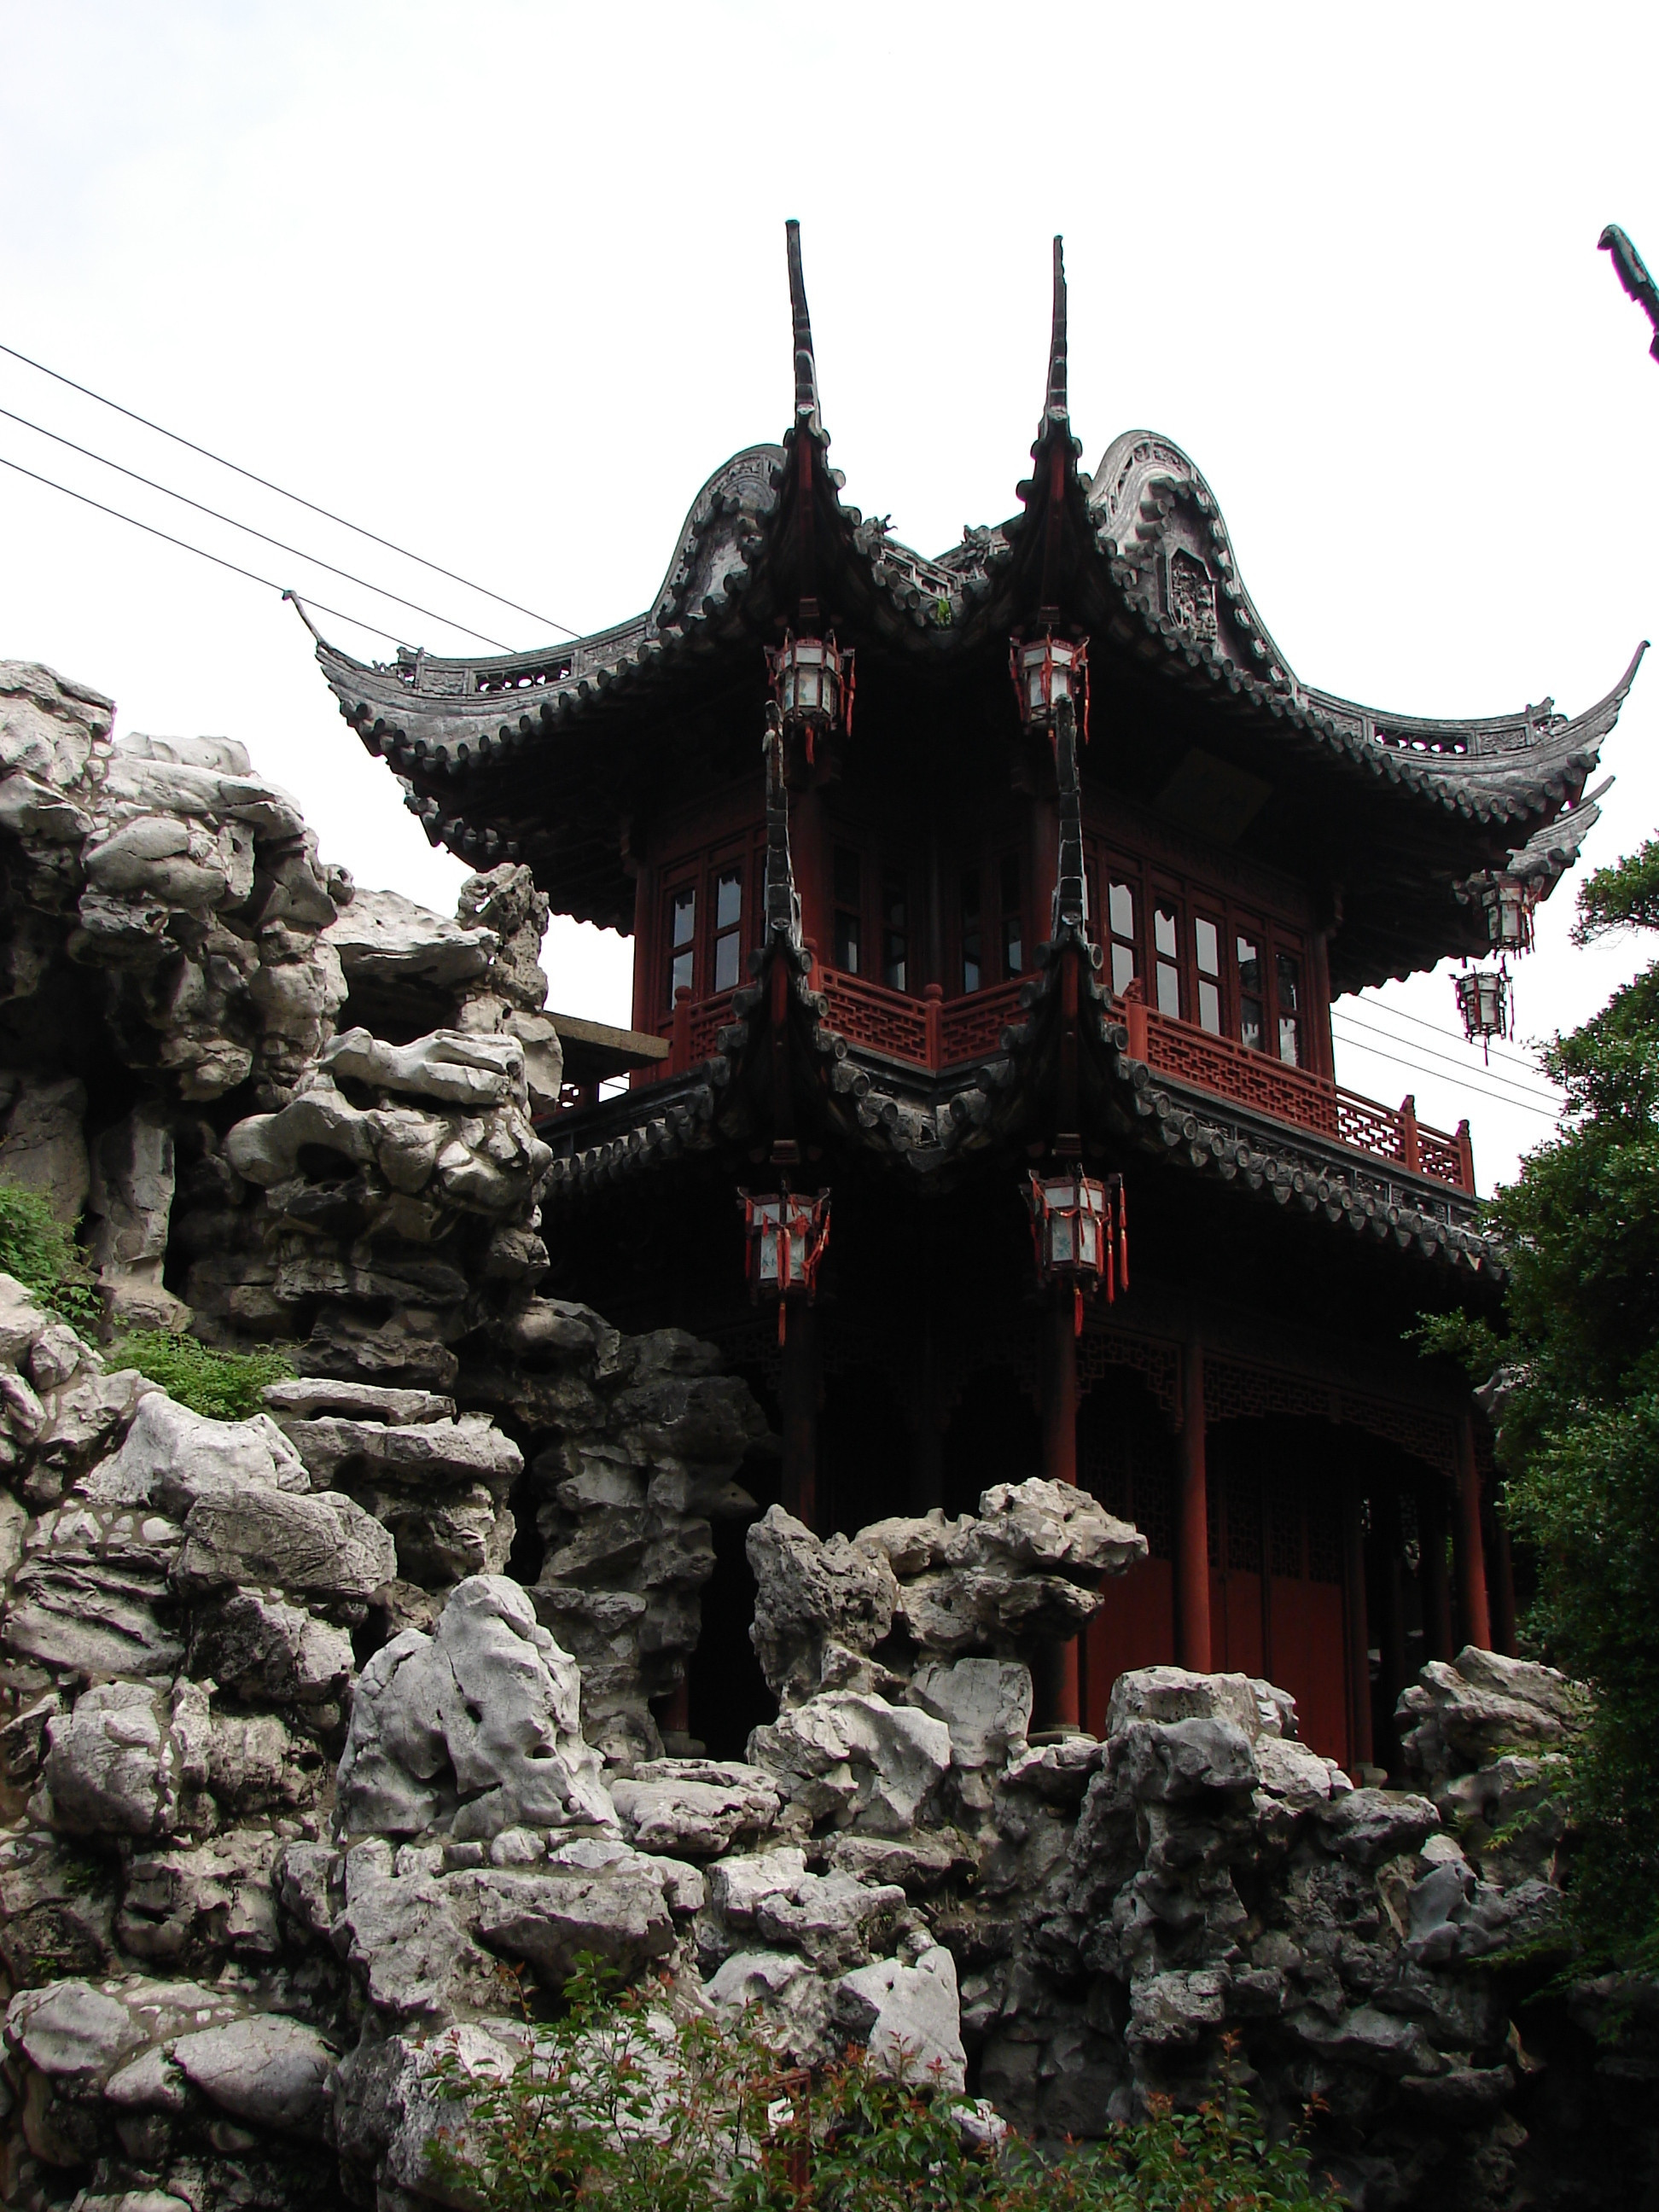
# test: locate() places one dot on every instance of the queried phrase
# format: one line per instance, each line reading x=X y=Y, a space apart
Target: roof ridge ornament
x=1057 y=407
x=1633 y=275
x=1071 y=906
x=807 y=414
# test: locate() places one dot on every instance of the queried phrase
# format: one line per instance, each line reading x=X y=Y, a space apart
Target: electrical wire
x=264 y=537
x=1427 y=1052
x=328 y=513
x=1399 y=1014
x=1499 y=1097
x=218 y=560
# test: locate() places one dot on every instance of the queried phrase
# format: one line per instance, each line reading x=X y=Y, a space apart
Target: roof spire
x=807 y=368
x=782 y=900
x=1056 y=408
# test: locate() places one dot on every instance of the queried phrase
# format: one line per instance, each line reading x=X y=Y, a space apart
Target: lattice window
x=1243 y=1523
x=1125 y=1464
x=1157 y=1364
x=1285 y=1522
x=1324 y=1514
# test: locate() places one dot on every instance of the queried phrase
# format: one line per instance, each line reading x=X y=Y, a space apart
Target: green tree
x=1579 y=1414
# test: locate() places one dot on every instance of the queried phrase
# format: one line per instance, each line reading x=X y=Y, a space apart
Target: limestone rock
x=123 y=1761
x=172 y=1457
x=856 y=1760
x=694 y=1807
x=266 y=2069
x=985 y=1703
x=908 y=2017
x=476 y=1725
x=321 y=1546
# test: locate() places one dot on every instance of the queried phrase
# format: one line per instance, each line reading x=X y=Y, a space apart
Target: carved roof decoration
x=537 y=755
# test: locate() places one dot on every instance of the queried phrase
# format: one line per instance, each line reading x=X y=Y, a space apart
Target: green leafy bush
x=225 y=1386
x=1579 y=1428
x=637 y=2103
x=37 y=1250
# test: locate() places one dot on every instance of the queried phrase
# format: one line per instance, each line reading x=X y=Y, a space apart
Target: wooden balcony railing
x=931 y=1032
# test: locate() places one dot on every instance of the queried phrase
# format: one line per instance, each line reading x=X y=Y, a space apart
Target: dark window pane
x=1206 y=940
x=849 y=878
x=728 y=899
x=1120 y=901
x=847 y=935
x=895 y=933
x=1013 y=918
x=973 y=941
x=1169 y=989
x=685 y=918
x=728 y=956
x=1252 y=1027
x=1287 y=975
x=679 y=977
x=1123 y=967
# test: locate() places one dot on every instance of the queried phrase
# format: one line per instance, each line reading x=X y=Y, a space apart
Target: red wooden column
x=1359 y=1634
x=1192 y=1547
x=1469 y=1543
x=1062 y=1702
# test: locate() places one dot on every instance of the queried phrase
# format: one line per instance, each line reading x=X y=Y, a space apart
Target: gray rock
x=857 y=1758
x=254 y=1643
x=478 y=1722
x=1166 y=1762
x=267 y=2069
x=1371 y=1825
x=320 y=1545
x=551 y=1916
x=183 y=1906
x=811 y=1597
x=985 y=1703
x=172 y=1457
x=681 y=1811
x=908 y=2018
x=71 y=2030
x=125 y=1759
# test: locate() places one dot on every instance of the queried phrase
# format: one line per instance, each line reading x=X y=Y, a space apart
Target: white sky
x=507 y=283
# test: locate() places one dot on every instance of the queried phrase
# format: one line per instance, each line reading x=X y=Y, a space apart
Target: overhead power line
x=1440 y=1029
x=1445 y=1060
x=1480 y=1090
x=218 y=560
x=265 y=483
x=264 y=537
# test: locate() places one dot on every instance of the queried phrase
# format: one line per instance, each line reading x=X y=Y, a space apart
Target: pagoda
x=979 y=1101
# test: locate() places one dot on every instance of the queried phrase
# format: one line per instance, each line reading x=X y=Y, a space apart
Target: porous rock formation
x=296 y=1777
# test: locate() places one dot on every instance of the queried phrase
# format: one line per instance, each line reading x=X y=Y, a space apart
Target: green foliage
x=1579 y=1427
x=1623 y=896
x=225 y=1386
x=37 y=1250
x=628 y=2105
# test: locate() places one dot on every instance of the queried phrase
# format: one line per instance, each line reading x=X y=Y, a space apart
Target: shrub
x=627 y=2104
x=41 y=1254
x=225 y=1386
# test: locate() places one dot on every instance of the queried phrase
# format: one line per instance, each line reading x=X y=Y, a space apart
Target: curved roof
x=495 y=753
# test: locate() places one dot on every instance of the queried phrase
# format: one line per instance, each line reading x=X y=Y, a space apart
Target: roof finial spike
x=1057 y=409
x=807 y=368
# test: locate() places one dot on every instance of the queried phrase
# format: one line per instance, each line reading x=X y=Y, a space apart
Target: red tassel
x=1123 y=1235
x=1077 y=1310
x=783 y=1320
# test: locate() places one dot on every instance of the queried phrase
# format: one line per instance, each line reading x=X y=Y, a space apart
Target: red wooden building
x=1034 y=856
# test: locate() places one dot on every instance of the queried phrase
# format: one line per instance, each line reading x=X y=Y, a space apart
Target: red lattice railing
x=1215 y=1063
x=974 y=1024
x=707 y=1020
x=928 y=1033
x=868 y=1014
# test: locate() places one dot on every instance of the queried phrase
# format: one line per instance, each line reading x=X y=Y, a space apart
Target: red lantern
x=1080 y=1229
x=785 y=1237
x=813 y=684
x=1483 y=1000
x=1047 y=670
x=1509 y=902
